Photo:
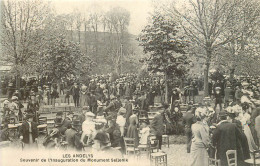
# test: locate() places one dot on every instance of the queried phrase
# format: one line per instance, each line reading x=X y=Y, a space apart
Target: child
x=145 y=132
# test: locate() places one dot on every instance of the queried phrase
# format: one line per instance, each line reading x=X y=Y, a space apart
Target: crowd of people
x=103 y=106
x=109 y=111
x=236 y=126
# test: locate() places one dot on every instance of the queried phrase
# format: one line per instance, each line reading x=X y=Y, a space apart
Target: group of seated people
x=85 y=130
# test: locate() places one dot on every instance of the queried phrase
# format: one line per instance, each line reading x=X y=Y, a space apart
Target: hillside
x=97 y=46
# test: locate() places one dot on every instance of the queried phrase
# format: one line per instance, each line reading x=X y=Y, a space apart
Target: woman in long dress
x=244 y=117
x=200 y=140
x=132 y=131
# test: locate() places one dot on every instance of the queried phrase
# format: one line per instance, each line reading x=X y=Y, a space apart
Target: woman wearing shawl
x=244 y=117
x=200 y=140
x=132 y=131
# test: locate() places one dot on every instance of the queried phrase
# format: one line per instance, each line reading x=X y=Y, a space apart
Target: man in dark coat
x=71 y=136
x=129 y=110
x=228 y=92
x=29 y=131
x=210 y=88
x=54 y=95
x=188 y=120
x=157 y=127
x=226 y=137
x=61 y=123
x=75 y=90
x=111 y=106
x=93 y=102
x=143 y=104
x=218 y=98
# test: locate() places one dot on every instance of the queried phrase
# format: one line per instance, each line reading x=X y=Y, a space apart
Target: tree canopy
x=165 y=46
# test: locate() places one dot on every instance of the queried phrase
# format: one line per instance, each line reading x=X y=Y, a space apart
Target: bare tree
x=117 y=21
x=209 y=24
x=21 y=26
x=78 y=24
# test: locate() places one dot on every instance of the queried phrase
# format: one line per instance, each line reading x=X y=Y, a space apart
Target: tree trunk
x=166 y=88
x=206 y=79
x=17 y=81
x=86 y=40
x=79 y=35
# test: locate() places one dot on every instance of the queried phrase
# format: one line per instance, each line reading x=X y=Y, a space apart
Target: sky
x=139 y=9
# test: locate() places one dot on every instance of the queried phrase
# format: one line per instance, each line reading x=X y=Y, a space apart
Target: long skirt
x=132 y=132
x=250 y=139
x=199 y=155
x=31 y=144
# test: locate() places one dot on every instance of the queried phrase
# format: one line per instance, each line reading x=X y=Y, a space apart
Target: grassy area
x=177 y=139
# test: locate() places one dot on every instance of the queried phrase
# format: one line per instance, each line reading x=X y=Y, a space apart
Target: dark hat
x=102 y=137
x=29 y=116
x=60 y=113
x=222 y=113
x=76 y=123
x=70 y=113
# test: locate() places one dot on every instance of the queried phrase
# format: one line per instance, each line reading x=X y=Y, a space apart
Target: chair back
x=129 y=142
x=214 y=162
x=231 y=157
x=153 y=143
x=12 y=120
x=130 y=145
x=256 y=155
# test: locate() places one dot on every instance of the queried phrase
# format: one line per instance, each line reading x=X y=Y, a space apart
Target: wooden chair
x=42 y=127
x=13 y=126
x=47 y=108
x=153 y=144
x=214 y=162
x=231 y=157
x=130 y=146
x=158 y=159
x=256 y=158
x=165 y=137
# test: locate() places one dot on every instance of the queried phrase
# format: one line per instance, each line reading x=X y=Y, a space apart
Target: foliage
x=143 y=73
x=212 y=24
x=21 y=37
x=61 y=58
x=165 y=45
x=217 y=75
